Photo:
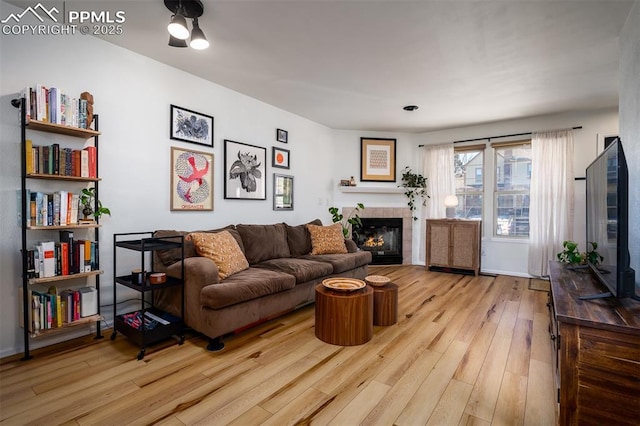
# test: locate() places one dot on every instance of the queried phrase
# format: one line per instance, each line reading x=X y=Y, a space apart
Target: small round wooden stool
x=344 y=318
x=385 y=304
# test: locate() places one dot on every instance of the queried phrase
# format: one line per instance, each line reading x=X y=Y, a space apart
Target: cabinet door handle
x=553 y=337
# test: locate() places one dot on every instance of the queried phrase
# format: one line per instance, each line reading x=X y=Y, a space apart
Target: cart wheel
x=113 y=335
x=140 y=354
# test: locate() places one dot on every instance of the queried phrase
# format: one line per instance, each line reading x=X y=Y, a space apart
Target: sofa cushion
x=327 y=239
x=246 y=285
x=170 y=256
x=303 y=269
x=223 y=249
x=264 y=242
x=299 y=238
x=343 y=262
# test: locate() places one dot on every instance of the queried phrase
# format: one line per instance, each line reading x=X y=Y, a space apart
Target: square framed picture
x=377 y=160
x=282 y=136
x=280 y=158
x=191 y=126
x=282 y=192
x=245 y=168
x=191 y=180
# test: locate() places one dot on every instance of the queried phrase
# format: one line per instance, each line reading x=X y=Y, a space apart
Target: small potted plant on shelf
x=415 y=189
x=87 y=197
x=572 y=255
x=352 y=220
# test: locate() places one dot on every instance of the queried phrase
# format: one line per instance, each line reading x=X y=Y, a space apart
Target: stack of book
x=50 y=259
x=60 y=208
x=52 y=309
x=53 y=160
x=53 y=105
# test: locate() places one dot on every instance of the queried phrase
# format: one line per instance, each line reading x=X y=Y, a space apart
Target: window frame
x=496 y=146
x=481 y=192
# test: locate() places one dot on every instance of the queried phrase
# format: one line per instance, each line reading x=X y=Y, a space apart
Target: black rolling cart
x=148 y=324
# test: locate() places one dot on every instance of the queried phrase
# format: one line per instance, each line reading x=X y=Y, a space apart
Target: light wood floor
x=466 y=350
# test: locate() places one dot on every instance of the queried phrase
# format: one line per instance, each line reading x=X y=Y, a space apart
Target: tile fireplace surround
x=388 y=212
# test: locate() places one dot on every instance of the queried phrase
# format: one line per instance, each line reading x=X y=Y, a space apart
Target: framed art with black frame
x=282 y=192
x=280 y=158
x=191 y=180
x=245 y=168
x=191 y=126
x=282 y=136
x=377 y=160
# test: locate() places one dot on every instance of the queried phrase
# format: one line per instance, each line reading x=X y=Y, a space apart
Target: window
x=512 y=183
x=468 y=165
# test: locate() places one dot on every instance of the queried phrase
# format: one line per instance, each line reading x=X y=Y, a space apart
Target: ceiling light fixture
x=176 y=42
x=178 y=26
x=178 y=29
x=410 y=108
x=198 y=40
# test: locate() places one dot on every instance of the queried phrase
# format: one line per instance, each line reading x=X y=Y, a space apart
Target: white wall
x=509 y=256
x=132 y=96
x=630 y=126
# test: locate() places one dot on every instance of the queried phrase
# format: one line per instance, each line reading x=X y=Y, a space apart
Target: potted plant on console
x=572 y=255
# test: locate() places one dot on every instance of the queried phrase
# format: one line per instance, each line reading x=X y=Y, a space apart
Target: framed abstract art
x=191 y=180
x=377 y=160
x=245 y=168
x=191 y=126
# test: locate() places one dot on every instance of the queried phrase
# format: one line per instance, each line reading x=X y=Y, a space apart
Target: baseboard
x=509 y=273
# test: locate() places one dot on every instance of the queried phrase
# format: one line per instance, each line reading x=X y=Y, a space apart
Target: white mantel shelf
x=372 y=189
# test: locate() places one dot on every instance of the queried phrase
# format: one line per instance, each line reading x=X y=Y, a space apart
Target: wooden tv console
x=596 y=351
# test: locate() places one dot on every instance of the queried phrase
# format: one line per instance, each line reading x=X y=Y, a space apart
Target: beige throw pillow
x=327 y=239
x=223 y=249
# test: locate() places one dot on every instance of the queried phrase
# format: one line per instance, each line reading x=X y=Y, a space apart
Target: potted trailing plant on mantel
x=415 y=189
x=86 y=201
x=352 y=220
x=571 y=255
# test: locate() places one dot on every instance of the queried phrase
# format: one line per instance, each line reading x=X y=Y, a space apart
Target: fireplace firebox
x=383 y=238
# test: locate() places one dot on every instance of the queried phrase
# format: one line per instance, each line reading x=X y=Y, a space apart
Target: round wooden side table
x=344 y=318
x=385 y=304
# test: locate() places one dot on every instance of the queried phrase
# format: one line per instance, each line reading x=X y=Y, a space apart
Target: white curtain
x=551 y=197
x=437 y=167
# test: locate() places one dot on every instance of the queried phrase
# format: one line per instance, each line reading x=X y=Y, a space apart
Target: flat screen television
x=608 y=220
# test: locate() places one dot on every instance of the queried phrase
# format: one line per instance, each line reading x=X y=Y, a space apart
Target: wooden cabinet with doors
x=453 y=245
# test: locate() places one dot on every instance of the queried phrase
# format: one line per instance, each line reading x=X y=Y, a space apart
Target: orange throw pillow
x=223 y=249
x=327 y=239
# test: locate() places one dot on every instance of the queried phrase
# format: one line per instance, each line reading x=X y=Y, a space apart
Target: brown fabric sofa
x=281 y=277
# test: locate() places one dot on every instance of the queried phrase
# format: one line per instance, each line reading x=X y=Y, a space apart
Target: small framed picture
x=377 y=160
x=191 y=126
x=245 y=171
x=282 y=136
x=282 y=192
x=280 y=158
x=191 y=180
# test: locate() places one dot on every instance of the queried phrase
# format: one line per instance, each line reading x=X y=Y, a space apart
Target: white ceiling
x=355 y=64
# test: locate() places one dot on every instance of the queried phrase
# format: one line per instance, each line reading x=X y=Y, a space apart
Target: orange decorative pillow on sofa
x=223 y=249
x=327 y=239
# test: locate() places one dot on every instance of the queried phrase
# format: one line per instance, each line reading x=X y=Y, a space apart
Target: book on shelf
x=66 y=237
x=28 y=148
x=92 y=161
x=54 y=105
x=48 y=259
